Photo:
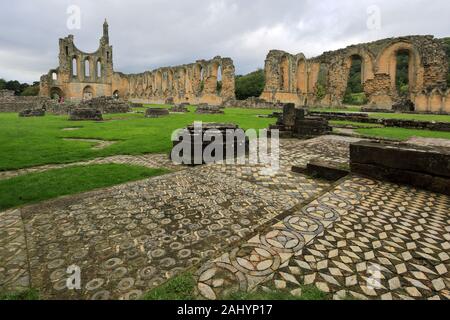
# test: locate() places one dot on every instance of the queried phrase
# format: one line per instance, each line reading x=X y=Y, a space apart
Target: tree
x=31 y=90
x=250 y=85
x=2 y=84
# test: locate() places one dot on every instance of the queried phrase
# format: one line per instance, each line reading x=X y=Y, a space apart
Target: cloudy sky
x=147 y=34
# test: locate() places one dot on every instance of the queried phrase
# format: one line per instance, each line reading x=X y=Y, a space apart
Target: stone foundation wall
x=399 y=123
x=426 y=167
x=252 y=103
x=11 y=103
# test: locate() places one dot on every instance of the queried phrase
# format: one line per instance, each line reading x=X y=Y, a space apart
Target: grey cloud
x=149 y=34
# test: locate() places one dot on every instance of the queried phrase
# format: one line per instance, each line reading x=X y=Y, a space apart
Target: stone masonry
x=323 y=80
x=83 y=76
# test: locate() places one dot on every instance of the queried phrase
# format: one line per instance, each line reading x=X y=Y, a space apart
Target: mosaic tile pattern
x=257 y=260
x=13 y=252
x=393 y=245
x=130 y=238
x=365 y=239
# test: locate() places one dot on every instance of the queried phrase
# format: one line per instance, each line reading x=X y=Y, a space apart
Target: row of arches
x=348 y=71
x=57 y=93
x=193 y=79
x=90 y=68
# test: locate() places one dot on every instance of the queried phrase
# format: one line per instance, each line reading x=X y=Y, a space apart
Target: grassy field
x=36 y=187
x=387 y=115
x=27 y=142
x=402 y=134
x=355 y=124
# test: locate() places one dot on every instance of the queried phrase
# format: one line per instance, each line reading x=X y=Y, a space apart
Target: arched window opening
x=54 y=76
x=284 y=74
x=88 y=93
x=74 y=67
x=87 y=68
x=354 y=94
x=302 y=79
x=99 y=69
x=202 y=79
x=219 y=80
x=402 y=72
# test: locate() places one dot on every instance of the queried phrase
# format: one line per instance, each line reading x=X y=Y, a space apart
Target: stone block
x=207 y=109
x=32 y=113
x=156 y=112
x=82 y=114
x=419 y=166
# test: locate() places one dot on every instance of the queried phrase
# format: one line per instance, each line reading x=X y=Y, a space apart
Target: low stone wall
x=398 y=123
x=107 y=105
x=423 y=167
x=11 y=103
x=252 y=103
x=20 y=104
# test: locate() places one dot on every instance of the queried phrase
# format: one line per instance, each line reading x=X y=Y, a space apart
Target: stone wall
x=322 y=81
x=83 y=76
x=191 y=83
x=252 y=103
x=80 y=75
x=426 y=167
x=11 y=103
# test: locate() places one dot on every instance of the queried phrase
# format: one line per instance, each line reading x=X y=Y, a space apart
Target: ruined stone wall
x=80 y=75
x=11 y=103
x=77 y=80
x=322 y=81
x=191 y=83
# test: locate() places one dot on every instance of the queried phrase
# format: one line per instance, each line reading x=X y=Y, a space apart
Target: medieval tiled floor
x=364 y=239
x=130 y=238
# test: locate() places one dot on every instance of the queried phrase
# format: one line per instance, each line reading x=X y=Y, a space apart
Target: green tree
x=250 y=85
x=31 y=90
x=2 y=84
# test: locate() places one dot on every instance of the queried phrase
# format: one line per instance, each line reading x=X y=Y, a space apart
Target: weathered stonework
x=76 y=79
x=192 y=83
x=323 y=80
x=156 y=113
x=11 y=103
x=82 y=114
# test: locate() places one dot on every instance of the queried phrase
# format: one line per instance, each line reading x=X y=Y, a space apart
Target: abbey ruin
x=319 y=81
x=82 y=76
x=322 y=81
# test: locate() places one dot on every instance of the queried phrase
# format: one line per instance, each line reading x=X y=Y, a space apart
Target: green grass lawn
x=25 y=295
x=342 y=110
x=381 y=115
x=402 y=134
x=355 y=124
x=406 y=116
x=27 y=142
x=36 y=187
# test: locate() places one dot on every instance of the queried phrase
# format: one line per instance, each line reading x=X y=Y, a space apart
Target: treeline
x=20 y=89
x=250 y=85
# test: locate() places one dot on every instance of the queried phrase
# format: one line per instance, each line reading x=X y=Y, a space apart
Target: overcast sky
x=147 y=34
